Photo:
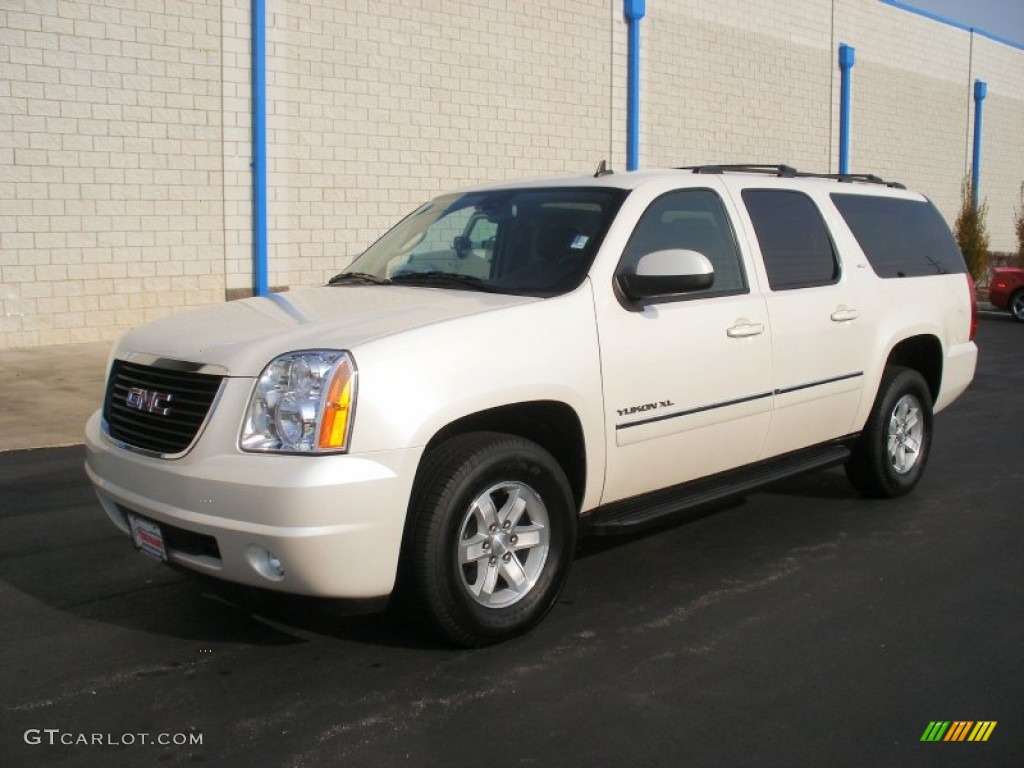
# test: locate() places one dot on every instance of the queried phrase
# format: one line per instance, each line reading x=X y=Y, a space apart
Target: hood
x=243 y=336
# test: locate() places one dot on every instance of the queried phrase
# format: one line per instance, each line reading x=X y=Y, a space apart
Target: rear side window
x=794 y=240
x=901 y=238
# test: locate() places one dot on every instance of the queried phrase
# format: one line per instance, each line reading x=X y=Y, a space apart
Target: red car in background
x=1006 y=290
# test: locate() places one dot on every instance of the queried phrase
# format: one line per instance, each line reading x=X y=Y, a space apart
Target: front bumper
x=335 y=522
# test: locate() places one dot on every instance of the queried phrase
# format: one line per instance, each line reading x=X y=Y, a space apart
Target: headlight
x=302 y=403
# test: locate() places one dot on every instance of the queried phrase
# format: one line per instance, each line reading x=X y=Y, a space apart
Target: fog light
x=265 y=563
x=276 y=566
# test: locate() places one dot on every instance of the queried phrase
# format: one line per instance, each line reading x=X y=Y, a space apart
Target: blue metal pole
x=980 y=92
x=634 y=11
x=847 y=56
x=259 y=147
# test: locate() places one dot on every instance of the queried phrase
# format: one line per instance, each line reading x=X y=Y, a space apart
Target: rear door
x=819 y=336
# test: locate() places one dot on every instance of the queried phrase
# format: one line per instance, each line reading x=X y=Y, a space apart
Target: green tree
x=971 y=232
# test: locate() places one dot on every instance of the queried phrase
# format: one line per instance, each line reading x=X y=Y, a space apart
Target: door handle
x=844 y=314
x=743 y=329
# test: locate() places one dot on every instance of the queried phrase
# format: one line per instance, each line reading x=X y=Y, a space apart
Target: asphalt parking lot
x=802 y=626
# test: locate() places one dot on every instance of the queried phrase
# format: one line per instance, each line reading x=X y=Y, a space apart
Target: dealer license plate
x=148 y=537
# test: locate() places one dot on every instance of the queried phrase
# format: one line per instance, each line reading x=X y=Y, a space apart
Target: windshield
x=537 y=242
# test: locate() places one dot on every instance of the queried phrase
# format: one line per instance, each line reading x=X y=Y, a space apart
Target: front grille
x=185 y=395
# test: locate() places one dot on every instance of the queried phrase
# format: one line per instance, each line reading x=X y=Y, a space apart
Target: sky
x=1001 y=18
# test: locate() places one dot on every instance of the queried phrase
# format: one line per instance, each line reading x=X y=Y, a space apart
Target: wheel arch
x=553 y=425
x=923 y=353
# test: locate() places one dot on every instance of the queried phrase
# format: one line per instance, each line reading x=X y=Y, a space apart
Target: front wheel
x=492 y=537
x=892 y=451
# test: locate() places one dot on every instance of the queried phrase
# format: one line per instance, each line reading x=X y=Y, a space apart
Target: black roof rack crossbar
x=788 y=172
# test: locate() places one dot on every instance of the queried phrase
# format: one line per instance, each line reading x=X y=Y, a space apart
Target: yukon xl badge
x=151 y=402
x=645 y=407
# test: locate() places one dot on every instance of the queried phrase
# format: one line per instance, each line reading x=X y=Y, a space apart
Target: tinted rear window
x=794 y=240
x=901 y=238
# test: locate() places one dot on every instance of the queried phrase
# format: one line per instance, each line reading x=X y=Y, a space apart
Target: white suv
x=515 y=363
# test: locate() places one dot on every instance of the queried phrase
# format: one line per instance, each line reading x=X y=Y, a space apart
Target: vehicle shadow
x=828 y=484
x=62 y=561
x=998 y=316
x=378 y=622
x=57 y=548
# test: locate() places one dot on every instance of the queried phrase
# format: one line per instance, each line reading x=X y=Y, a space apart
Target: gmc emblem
x=152 y=402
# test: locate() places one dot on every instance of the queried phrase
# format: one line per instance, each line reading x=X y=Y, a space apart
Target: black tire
x=875 y=470
x=460 y=571
x=1016 y=305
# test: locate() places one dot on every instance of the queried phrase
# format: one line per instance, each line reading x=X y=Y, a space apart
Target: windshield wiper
x=444 y=279
x=364 y=278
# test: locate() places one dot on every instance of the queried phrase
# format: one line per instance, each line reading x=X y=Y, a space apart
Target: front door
x=687 y=380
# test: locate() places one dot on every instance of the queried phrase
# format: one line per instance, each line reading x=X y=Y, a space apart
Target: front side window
x=525 y=241
x=693 y=220
x=794 y=240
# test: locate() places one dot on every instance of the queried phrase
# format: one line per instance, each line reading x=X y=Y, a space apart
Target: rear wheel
x=893 y=449
x=492 y=538
x=1017 y=305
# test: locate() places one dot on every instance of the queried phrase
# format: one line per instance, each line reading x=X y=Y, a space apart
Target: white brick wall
x=910 y=99
x=110 y=165
x=735 y=83
x=375 y=107
x=125 y=186
x=236 y=90
x=914 y=108
x=1002 y=154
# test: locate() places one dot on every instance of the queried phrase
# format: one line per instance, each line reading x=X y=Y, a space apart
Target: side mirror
x=666 y=273
x=462 y=246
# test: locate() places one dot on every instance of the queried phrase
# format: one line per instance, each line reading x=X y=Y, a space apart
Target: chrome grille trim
x=194 y=397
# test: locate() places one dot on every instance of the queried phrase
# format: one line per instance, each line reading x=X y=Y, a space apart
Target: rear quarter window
x=901 y=238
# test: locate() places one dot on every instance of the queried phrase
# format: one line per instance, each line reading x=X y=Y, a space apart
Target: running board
x=652 y=509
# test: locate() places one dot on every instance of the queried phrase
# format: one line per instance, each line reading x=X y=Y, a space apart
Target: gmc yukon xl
x=517 y=363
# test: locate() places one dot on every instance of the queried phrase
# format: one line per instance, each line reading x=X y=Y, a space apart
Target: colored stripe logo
x=958 y=730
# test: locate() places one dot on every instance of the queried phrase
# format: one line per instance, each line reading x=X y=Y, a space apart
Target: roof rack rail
x=773 y=170
x=788 y=172
x=867 y=178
